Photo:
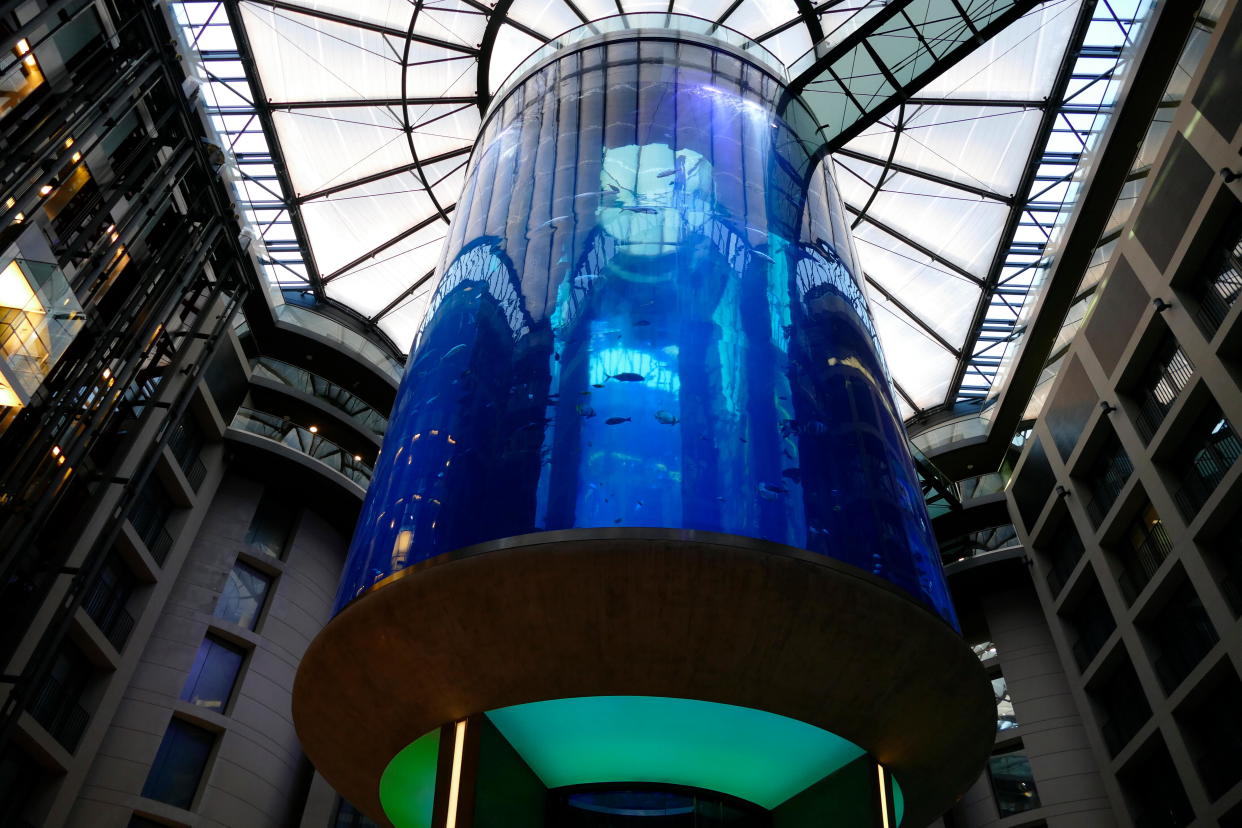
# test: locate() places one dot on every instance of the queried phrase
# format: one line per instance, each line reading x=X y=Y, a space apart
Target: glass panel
x=243 y=596
x=211 y=679
x=1005 y=718
x=271 y=529
x=178 y=767
x=1013 y=784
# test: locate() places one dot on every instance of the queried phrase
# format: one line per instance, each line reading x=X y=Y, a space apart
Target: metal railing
x=106 y=607
x=64 y=720
x=1206 y=470
x=1142 y=561
x=1218 y=292
x=1105 y=484
x=280 y=430
x=319 y=388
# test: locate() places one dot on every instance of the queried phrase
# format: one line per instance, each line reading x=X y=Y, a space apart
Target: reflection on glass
x=272 y=526
x=243 y=596
x=211 y=679
x=648 y=316
x=1013 y=784
x=1005 y=718
x=179 y=764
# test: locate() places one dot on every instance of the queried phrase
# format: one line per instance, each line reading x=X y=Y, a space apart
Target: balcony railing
x=1218 y=292
x=1141 y=562
x=106 y=608
x=64 y=720
x=1200 y=479
x=282 y=431
x=1105 y=484
x=322 y=389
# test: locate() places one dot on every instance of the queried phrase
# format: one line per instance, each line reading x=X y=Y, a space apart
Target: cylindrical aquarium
x=648 y=315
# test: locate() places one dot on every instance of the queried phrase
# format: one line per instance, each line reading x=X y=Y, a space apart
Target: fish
x=616 y=420
x=597 y=385
x=454 y=350
x=794 y=474
x=769 y=491
x=651 y=211
x=627 y=376
x=640 y=323
x=665 y=418
x=584 y=393
x=666 y=173
x=764 y=256
x=586 y=411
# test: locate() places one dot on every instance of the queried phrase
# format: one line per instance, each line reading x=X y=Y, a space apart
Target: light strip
x=885 y=822
x=459 y=743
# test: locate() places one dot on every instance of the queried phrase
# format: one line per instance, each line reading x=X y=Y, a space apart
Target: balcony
x=1169 y=373
x=1221 y=283
x=280 y=430
x=63 y=719
x=106 y=607
x=321 y=389
x=1139 y=564
x=1209 y=458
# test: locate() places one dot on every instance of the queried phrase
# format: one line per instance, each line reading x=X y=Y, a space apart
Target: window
x=1005 y=718
x=211 y=679
x=1165 y=377
x=1181 y=635
x=1143 y=548
x=1063 y=550
x=56 y=704
x=179 y=764
x=1092 y=623
x=271 y=529
x=1012 y=783
x=1105 y=477
x=106 y=599
x=1205 y=457
x=243 y=596
x=150 y=512
x=1121 y=706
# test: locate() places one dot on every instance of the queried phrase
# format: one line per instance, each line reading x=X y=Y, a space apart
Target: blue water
x=648 y=316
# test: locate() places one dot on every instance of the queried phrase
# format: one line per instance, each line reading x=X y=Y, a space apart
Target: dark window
x=1012 y=783
x=1204 y=458
x=186 y=443
x=1167 y=374
x=149 y=515
x=243 y=595
x=179 y=764
x=1092 y=624
x=1105 y=477
x=1220 y=282
x=1154 y=792
x=1063 y=550
x=1213 y=729
x=1143 y=547
x=272 y=526
x=1121 y=705
x=1227 y=549
x=1181 y=635
x=56 y=704
x=211 y=679
x=107 y=598
x=20 y=778
x=347 y=816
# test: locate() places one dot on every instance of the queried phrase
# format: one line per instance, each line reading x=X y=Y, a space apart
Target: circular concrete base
x=645 y=613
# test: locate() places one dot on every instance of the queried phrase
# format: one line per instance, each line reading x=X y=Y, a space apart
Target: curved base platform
x=645 y=612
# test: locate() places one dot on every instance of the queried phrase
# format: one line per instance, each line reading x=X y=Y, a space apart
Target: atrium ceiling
x=349 y=124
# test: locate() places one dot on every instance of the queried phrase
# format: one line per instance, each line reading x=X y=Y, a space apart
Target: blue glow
x=649 y=317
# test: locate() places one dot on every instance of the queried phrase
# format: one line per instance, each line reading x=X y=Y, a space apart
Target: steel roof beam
x=901 y=237
x=353 y=102
x=355 y=23
x=926 y=176
x=380 y=176
x=384 y=245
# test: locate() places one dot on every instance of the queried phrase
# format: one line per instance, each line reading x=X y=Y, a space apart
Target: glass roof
x=349 y=124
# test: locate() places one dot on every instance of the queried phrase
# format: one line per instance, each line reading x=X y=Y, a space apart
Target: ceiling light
x=23 y=46
x=45 y=189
